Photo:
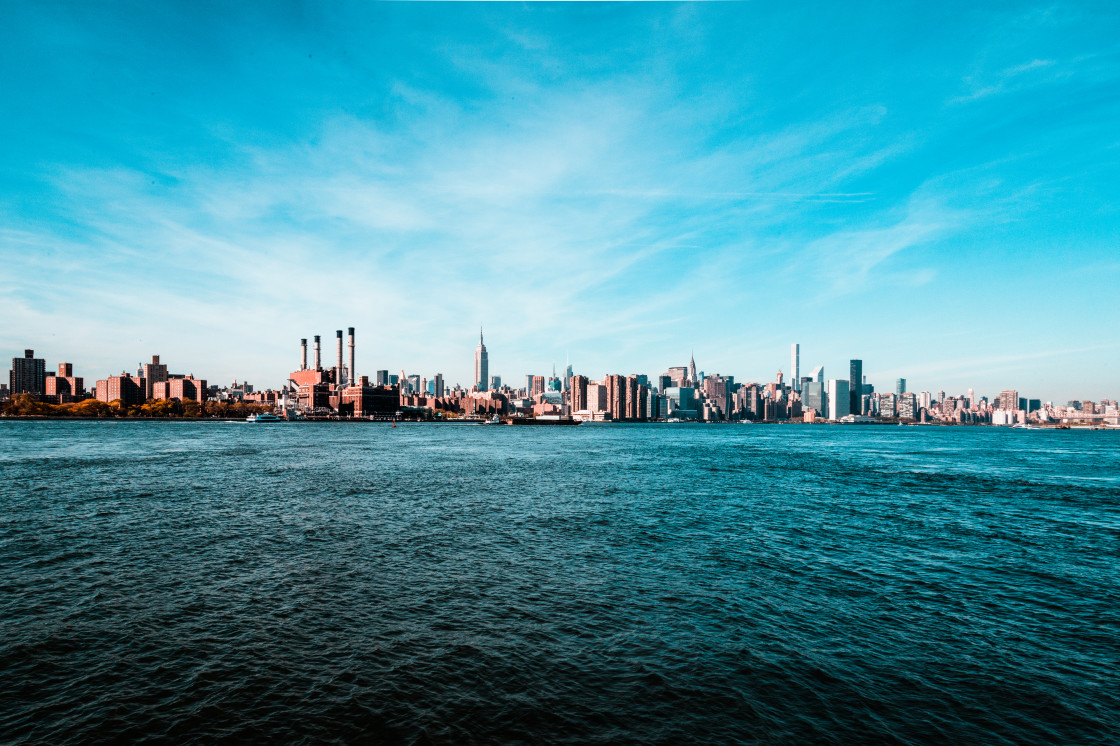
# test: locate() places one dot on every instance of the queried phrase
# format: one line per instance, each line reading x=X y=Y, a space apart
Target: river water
x=192 y=582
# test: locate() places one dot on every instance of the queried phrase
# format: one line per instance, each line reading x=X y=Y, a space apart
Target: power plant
x=337 y=390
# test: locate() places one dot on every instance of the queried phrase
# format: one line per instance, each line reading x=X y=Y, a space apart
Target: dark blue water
x=601 y=584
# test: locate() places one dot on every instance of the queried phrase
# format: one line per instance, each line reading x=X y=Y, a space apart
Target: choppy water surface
x=654 y=584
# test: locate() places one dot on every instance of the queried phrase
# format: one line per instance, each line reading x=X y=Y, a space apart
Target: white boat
x=263 y=418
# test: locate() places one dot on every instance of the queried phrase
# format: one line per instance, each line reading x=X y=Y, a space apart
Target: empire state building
x=481 y=364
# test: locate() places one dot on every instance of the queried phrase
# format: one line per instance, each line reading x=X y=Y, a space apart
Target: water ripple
x=178 y=582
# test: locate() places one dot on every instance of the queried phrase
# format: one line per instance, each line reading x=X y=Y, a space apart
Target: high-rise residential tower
x=28 y=375
x=795 y=365
x=855 y=386
x=154 y=372
x=481 y=364
x=900 y=386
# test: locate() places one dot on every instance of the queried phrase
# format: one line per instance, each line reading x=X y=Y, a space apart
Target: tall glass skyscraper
x=795 y=366
x=855 y=386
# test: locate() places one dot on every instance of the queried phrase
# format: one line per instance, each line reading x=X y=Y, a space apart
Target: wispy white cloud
x=571 y=194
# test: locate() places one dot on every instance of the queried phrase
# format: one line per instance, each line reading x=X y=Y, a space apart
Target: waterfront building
x=130 y=390
x=64 y=387
x=795 y=366
x=28 y=375
x=154 y=372
x=855 y=385
x=596 y=397
x=181 y=388
x=616 y=395
x=715 y=390
x=682 y=402
x=815 y=397
x=1009 y=400
x=578 y=392
x=481 y=364
x=907 y=406
x=839 y=399
x=632 y=402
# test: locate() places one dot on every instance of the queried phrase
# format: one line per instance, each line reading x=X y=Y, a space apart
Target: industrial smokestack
x=353 y=375
x=303 y=354
x=338 y=365
x=318 y=362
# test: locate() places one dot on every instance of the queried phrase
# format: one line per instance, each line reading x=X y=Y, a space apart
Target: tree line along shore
x=27 y=405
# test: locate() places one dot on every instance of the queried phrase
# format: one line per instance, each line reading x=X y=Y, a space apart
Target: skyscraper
x=838 y=399
x=795 y=365
x=28 y=375
x=578 y=388
x=481 y=364
x=900 y=386
x=855 y=386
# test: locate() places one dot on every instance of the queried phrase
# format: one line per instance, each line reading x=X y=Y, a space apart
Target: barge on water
x=544 y=419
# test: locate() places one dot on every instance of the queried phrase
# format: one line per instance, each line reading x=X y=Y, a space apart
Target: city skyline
x=345 y=371
x=624 y=184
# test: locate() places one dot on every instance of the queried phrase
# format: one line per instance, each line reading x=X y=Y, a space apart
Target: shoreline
x=1054 y=426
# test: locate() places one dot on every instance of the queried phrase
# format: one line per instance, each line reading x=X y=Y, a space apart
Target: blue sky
x=931 y=189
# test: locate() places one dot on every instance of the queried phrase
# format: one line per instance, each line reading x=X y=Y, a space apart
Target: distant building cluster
x=151 y=382
x=680 y=394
